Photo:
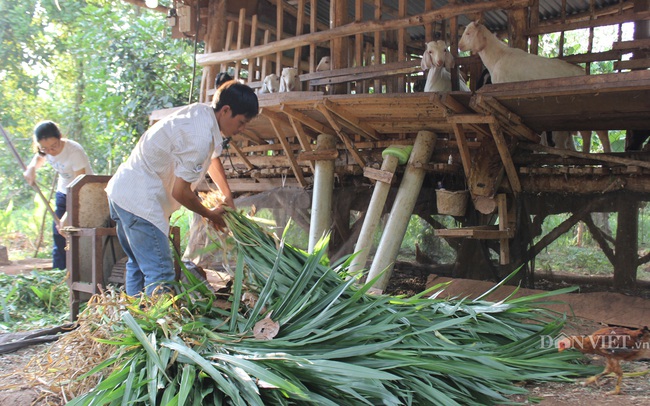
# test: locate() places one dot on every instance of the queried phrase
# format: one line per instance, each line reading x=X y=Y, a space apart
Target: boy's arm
x=218 y=175
x=183 y=193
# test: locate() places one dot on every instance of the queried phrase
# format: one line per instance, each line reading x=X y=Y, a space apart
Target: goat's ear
x=450 y=62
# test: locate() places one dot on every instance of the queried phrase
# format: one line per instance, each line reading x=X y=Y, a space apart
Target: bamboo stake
x=22 y=165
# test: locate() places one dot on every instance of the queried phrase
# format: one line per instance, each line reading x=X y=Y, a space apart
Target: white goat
x=507 y=64
x=271 y=84
x=289 y=80
x=512 y=64
x=324 y=64
x=439 y=61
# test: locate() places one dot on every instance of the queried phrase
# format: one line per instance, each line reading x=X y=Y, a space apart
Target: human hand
x=216 y=218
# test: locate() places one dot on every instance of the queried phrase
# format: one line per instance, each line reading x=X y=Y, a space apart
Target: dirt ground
x=590 y=312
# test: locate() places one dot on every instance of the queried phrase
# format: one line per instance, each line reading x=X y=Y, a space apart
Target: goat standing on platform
x=289 y=80
x=507 y=64
x=512 y=64
x=439 y=61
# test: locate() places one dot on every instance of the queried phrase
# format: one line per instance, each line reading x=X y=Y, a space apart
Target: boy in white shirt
x=160 y=175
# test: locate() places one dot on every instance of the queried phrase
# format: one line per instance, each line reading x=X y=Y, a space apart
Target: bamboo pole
x=400 y=215
x=22 y=165
x=373 y=215
x=321 y=206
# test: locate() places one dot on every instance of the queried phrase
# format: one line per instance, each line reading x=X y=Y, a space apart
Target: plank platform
x=280 y=141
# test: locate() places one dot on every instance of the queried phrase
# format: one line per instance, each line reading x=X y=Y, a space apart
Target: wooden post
x=240 y=38
x=400 y=214
x=265 y=59
x=312 y=29
x=428 y=27
x=321 y=207
x=516 y=28
x=253 y=63
x=358 y=43
x=297 y=53
x=453 y=48
x=401 y=47
x=278 y=34
x=560 y=51
x=377 y=50
x=340 y=45
x=533 y=24
x=626 y=244
x=504 y=224
x=214 y=42
x=641 y=28
x=230 y=31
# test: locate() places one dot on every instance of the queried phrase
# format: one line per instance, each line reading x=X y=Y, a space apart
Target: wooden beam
x=319 y=155
x=358 y=28
x=377 y=45
x=463 y=149
x=507 y=118
x=240 y=38
x=279 y=21
x=305 y=119
x=370 y=72
x=477 y=232
x=363 y=128
x=346 y=140
x=297 y=52
x=600 y=238
x=582 y=22
x=562 y=228
x=259 y=185
x=241 y=155
x=378 y=175
x=253 y=63
x=297 y=171
x=595 y=157
x=504 y=226
x=504 y=152
x=632 y=64
x=305 y=143
x=312 y=30
x=632 y=45
x=471 y=119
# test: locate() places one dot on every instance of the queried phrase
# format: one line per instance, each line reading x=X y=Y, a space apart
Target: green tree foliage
x=96 y=67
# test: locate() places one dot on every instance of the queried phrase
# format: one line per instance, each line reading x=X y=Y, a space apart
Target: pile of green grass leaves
x=33 y=300
x=336 y=344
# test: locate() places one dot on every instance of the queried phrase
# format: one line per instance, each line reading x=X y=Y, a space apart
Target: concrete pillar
x=321 y=202
x=376 y=206
x=400 y=215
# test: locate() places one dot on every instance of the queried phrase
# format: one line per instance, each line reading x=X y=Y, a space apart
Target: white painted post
x=400 y=215
x=321 y=202
x=376 y=207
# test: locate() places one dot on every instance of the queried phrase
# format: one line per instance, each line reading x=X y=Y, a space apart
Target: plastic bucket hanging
x=453 y=203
